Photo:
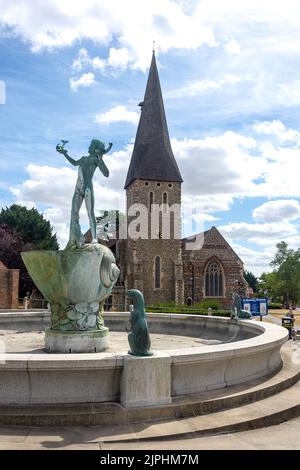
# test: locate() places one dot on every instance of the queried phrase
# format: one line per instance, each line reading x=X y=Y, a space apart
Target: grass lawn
x=283 y=312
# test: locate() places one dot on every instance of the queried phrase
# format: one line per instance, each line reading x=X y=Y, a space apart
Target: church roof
x=211 y=237
x=2 y=265
x=152 y=157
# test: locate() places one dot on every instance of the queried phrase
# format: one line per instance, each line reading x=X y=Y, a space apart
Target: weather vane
x=153 y=50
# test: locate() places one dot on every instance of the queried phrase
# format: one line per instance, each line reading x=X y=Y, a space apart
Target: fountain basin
x=75 y=282
x=246 y=350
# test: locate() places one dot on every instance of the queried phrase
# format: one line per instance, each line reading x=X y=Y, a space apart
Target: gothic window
x=214 y=280
x=157 y=268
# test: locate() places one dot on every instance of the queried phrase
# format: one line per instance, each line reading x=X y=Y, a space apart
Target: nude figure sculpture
x=84 y=188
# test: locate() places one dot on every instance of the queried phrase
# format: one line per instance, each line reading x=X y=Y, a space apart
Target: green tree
x=287 y=269
x=30 y=225
x=281 y=254
x=11 y=245
x=23 y=229
x=251 y=279
x=270 y=286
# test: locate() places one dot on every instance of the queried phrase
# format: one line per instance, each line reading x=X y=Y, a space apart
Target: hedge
x=186 y=310
x=275 y=306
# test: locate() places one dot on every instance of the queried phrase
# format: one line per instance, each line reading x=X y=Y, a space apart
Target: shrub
x=183 y=309
x=275 y=305
x=214 y=304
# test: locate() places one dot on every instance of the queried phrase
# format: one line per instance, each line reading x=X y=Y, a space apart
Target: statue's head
x=134 y=294
x=96 y=147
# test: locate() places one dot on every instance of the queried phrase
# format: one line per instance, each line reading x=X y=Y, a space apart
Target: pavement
x=279 y=437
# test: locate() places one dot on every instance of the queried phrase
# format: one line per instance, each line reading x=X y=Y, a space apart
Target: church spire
x=152 y=157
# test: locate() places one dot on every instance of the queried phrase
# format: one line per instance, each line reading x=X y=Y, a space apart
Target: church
x=167 y=269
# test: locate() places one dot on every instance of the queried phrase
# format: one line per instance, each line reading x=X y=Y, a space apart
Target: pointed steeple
x=152 y=157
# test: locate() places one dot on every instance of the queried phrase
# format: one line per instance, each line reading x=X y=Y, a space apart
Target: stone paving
x=282 y=436
x=33 y=342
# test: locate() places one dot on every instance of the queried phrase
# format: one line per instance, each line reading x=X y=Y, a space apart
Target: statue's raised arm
x=108 y=148
x=60 y=148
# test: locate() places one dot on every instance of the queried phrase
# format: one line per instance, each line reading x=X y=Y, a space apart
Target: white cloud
x=277 y=211
x=204 y=85
x=47 y=185
x=219 y=165
x=86 y=80
x=237 y=14
x=232 y=47
x=269 y=127
x=206 y=203
x=277 y=129
x=117 y=114
x=194 y=221
x=202 y=217
x=255 y=261
x=2 y=92
x=288 y=93
x=84 y=60
x=52 y=188
x=231 y=165
x=280 y=178
x=59 y=219
x=118 y=57
x=261 y=234
x=246 y=36
x=258 y=260
x=132 y=24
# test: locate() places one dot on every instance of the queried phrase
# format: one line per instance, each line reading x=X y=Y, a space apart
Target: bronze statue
x=84 y=188
x=236 y=305
x=236 y=308
x=138 y=337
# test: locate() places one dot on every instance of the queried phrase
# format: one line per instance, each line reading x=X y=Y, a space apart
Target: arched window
x=165 y=202
x=189 y=301
x=151 y=200
x=214 y=280
x=157 y=268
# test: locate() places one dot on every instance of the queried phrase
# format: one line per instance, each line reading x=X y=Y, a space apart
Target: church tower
x=153 y=193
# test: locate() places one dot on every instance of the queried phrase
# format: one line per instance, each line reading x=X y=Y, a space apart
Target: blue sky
x=230 y=75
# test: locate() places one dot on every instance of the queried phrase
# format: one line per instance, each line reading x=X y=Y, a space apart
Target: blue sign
x=255 y=306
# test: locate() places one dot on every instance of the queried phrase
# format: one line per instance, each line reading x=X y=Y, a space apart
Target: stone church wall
x=141 y=253
x=195 y=262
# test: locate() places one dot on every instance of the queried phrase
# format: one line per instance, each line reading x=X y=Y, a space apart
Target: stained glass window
x=214 y=280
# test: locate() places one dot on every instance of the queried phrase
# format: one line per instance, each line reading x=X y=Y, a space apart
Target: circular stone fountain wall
x=201 y=353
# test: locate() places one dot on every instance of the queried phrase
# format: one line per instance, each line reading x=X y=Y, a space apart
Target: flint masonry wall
x=141 y=253
x=195 y=262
